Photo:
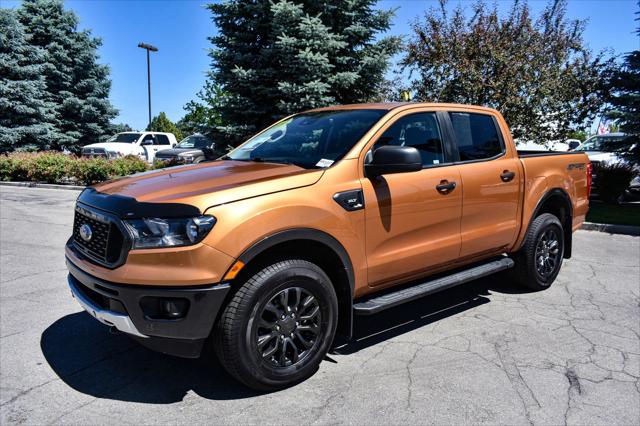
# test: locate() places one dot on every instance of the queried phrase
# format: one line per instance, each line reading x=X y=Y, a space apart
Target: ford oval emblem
x=86 y=232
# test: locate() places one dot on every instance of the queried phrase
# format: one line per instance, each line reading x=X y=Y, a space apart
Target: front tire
x=278 y=326
x=538 y=262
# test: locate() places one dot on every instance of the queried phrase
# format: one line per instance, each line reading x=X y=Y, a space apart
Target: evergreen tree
x=161 y=123
x=77 y=86
x=275 y=57
x=625 y=93
x=24 y=115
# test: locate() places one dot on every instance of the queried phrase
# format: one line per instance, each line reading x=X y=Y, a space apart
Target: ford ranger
x=268 y=252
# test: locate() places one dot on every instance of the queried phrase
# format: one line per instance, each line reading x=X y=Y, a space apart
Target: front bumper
x=127 y=308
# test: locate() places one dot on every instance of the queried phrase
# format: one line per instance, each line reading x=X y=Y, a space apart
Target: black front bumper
x=117 y=304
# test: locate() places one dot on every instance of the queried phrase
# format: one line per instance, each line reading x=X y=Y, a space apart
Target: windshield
x=309 y=140
x=124 y=137
x=604 y=144
x=195 y=141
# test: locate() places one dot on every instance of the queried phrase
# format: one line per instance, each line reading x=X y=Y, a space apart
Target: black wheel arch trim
x=346 y=328
x=568 y=221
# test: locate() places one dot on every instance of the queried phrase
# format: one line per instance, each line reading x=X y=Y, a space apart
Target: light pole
x=148 y=48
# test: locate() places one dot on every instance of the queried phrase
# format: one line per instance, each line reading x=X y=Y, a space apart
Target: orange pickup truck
x=269 y=251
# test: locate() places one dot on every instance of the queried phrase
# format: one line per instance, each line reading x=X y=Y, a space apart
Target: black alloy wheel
x=539 y=260
x=278 y=326
x=288 y=327
x=547 y=252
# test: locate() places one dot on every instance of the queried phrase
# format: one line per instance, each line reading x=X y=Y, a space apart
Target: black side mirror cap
x=393 y=159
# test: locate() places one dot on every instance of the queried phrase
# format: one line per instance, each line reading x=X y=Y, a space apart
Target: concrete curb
x=42 y=185
x=612 y=229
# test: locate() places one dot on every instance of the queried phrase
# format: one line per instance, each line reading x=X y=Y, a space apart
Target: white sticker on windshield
x=436 y=161
x=324 y=163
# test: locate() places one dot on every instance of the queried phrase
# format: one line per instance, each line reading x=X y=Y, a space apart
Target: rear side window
x=162 y=140
x=419 y=131
x=476 y=136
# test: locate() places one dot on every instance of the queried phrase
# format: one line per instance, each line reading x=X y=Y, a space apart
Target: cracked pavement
x=485 y=352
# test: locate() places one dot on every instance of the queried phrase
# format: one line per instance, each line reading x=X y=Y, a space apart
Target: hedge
x=55 y=167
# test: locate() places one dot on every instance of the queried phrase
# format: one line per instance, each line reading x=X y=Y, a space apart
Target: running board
x=389 y=300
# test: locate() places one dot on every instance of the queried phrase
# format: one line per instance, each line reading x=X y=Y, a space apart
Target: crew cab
x=268 y=252
x=142 y=144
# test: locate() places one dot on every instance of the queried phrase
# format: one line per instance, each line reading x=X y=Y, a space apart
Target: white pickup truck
x=143 y=144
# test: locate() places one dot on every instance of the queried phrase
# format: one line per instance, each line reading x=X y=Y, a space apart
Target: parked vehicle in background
x=572 y=144
x=549 y=146
x=606 y=148
x=142 y=144
x=192 y=149
x=339 y=211
x=609 y=149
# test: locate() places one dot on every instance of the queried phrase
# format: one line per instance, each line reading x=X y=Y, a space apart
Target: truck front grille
x=97 y=237
x=94 y=152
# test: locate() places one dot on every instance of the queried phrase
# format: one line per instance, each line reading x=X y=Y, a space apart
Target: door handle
x=507 y=176
x=444 y=187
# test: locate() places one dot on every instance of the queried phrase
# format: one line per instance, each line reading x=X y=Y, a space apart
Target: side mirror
x=573 y=145
x=393 y=159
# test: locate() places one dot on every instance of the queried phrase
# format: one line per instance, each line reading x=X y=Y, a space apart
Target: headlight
x=113 y=154
x=155 y=232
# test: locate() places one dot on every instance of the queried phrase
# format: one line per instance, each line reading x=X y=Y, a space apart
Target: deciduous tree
x=161 y=123
x=536 y=71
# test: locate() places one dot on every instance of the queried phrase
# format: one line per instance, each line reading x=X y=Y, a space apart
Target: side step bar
x=389 y=300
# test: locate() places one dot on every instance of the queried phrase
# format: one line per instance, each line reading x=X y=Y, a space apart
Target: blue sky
x=179 y=28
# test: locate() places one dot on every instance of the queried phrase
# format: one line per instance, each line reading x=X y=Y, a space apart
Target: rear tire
x=538 y=262
x=278 y=326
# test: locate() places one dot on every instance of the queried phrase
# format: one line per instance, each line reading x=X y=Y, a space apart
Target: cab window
x=476 y=135
x=420 y=131
x=162 y=140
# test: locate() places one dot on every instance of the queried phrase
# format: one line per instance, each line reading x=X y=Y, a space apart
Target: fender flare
x=302 y=234
x=345 y=307
x=568 y=222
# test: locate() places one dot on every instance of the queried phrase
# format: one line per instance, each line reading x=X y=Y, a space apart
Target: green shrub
x=157 y=164
x=89 y=171
x=613 y=180
x=55 y=167
x=17 y=166
x=6 y=167
x=127 y=166
x=50 y=167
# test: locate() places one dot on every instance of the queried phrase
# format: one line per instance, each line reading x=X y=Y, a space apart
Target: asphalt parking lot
x=486 y=352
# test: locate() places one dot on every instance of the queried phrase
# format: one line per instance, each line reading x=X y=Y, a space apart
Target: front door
x=412 y=219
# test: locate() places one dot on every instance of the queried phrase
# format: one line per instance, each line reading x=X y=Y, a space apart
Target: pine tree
x=273 y=58
x=77 y=86
x=161 y=123
x=625 y=92
x=24 y=116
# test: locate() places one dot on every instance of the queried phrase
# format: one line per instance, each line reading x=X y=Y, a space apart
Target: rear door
x=411 y=226
x=492 y=178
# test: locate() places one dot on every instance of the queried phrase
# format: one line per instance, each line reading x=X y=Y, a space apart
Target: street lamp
x=148 y=48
